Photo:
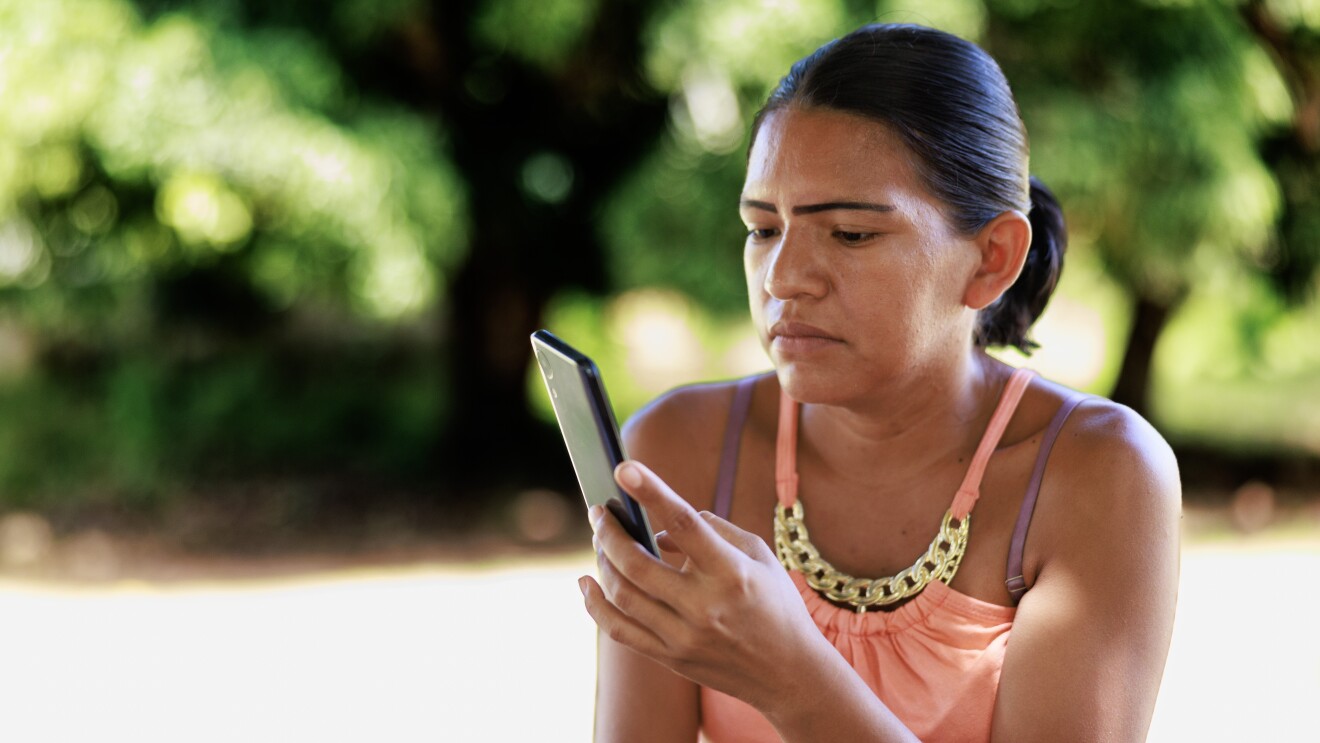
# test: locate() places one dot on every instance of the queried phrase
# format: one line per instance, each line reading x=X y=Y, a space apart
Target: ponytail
x=1007 y=321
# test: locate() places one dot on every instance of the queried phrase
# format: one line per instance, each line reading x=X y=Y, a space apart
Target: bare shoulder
x=1091 y=635
x=679 y=436
x=1112 y=489
x=1119 y=457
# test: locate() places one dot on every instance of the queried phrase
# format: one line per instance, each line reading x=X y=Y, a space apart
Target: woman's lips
x=796 y=337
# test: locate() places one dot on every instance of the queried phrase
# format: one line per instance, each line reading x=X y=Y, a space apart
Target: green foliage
x=670 y=226
x=1151 y=120
x=751 y=42
x=141 y=160
x=542 y=32
x=674 y=222
x=225 y=249
x=1238 y=369
x=647 y=341
x=244 y=143
x=132 y=429
x=1147 y=121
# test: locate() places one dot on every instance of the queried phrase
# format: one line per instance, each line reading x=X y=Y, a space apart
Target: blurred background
x=268 y=272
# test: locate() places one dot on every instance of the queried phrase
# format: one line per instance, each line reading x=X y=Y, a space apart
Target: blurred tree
x=176 y=190
x=1163 y=126
x=232 y=162
x=548 y=110
x=194 y=180
x=1147 y=118
x=1290 y=32
x=183 y=147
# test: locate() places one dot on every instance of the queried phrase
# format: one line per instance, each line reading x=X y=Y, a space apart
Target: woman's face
x=855 y=276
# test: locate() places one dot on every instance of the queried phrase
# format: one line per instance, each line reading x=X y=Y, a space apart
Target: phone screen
x=590 y=431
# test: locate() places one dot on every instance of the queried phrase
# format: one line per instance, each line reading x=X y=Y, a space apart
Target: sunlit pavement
x=506 y=653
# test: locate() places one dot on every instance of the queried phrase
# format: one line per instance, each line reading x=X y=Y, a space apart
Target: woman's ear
x=1003 y=243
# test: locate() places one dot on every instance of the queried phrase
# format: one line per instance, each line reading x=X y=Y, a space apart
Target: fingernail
x=582 y=586
x=594 y=515
x=629 y=475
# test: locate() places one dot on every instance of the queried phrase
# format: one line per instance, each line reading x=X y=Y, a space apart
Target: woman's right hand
x=728 y=618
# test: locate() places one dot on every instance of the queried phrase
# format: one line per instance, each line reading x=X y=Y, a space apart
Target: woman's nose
x=793 y=271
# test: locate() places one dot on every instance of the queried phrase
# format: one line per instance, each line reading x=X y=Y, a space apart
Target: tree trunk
x=1294 y=154
x=1133 y=386
x=593 y=117
x=491 y=433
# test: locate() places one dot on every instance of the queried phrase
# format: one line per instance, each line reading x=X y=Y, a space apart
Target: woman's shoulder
x=1110 y=442
x=1112 y=465
x=680 y=436
x=686 y=412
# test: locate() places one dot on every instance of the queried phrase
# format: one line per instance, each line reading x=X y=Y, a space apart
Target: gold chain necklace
x=796 y=552
x=941 y=560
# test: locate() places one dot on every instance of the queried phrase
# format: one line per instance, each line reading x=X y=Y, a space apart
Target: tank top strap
x=1016 y=583
x=786 y=477
x=970 y=490
x=742 y=401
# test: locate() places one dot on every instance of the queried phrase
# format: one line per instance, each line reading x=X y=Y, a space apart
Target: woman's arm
x=1090 y=638
x=638 y=699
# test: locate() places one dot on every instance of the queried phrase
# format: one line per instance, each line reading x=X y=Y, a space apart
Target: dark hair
x=950 y=104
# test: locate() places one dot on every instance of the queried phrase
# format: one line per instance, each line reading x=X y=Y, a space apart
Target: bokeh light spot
x=547 y=177
x=203 y=210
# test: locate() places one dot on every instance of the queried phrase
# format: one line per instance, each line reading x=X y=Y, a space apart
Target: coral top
x=935 y=660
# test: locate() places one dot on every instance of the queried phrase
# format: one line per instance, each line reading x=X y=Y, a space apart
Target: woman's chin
x=814 y=385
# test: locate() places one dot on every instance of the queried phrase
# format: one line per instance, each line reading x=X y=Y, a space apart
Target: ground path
x=434 y=652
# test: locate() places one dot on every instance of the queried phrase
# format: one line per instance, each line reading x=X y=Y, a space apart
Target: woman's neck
x=921 y=421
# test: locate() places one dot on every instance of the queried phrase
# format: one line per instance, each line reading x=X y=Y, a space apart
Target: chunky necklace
x=940 y=562
x=796 y=552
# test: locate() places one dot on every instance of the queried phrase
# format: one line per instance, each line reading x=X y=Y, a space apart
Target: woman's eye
x=764 y=233
x=853 y=238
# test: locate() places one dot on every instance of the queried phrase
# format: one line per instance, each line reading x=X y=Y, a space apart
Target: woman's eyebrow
x=822 y=207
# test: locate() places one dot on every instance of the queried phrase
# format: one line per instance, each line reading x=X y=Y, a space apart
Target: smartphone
x=586 y=419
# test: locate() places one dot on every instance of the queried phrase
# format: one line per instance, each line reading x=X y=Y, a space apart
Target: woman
x=893 y=234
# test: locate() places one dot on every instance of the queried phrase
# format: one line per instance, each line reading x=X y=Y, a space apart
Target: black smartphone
x=590 y=431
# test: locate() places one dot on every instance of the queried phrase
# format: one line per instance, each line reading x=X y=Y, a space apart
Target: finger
x=652 y=576
x=655 y=616
x=686 y=528
x=746 y=542
x=616 y=625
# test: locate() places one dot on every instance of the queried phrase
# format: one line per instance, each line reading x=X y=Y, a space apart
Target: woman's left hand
x=729 y=618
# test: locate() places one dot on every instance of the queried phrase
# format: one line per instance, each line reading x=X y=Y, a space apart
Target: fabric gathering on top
x=935 y=660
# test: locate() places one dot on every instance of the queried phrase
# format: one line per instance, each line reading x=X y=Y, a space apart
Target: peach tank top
x=935 y=660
